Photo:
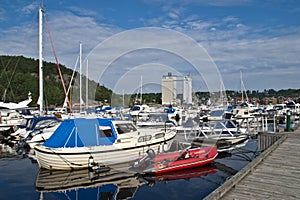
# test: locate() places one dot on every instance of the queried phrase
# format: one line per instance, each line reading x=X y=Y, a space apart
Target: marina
x=77 y=184
x=147 y=115
x=218 y=180
x=111 y=154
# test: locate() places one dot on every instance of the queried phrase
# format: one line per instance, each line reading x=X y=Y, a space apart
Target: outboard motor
x=150 y=154
x=96 y=167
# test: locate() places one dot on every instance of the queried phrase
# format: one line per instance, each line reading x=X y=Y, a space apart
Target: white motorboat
x=107 y=141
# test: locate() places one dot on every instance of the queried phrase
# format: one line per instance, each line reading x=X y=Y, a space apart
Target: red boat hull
x=169 y=162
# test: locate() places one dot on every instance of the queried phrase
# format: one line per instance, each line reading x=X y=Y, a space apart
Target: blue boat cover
x=81 y=132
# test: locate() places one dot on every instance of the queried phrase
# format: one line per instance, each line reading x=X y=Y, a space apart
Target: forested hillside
x=19 y=75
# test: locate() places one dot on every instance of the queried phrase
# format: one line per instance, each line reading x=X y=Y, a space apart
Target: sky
x=258 y=39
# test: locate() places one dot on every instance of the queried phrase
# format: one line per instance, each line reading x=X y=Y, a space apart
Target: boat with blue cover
x=106 y=141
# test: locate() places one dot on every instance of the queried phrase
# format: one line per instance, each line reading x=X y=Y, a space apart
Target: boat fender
x=91 y=163
x=165 y=147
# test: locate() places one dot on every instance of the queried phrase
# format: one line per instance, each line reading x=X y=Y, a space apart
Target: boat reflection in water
x=181 y=174
x=85 y=184
x=112 y=184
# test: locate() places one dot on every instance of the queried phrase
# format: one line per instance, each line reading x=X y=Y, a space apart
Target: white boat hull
x=78 y=157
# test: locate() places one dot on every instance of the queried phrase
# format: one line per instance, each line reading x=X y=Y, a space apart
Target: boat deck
x=275 y=174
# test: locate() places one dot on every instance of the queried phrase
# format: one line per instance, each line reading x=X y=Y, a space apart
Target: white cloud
x=173 y=15
x=30 y=8
x=230 y=19
x=82 y=11
x=217 y=3
x=261 y=52
x=262 y=58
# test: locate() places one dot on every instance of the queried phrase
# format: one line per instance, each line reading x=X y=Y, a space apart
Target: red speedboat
x=173 y=161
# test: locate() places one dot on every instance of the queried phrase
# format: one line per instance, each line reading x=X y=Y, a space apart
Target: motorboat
x=223 y=142
x=11 y=114
x=79 y=141
x=224 y=134
x=153 y=120
x=35 y=130
x=38 y=136
x=168 y=162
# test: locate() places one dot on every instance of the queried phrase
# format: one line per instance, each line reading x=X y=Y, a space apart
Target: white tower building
x=168 y=89
x=187 y=90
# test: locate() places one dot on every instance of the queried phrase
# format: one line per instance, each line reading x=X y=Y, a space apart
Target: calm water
x=22 y=179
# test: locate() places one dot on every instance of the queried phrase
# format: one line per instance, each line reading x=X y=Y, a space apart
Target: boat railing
x=224 y=127
x=211 y=129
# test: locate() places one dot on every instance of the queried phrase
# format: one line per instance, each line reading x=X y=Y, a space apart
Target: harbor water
x=21 y=178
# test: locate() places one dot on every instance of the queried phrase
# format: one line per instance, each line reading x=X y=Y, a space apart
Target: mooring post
x=288 y=121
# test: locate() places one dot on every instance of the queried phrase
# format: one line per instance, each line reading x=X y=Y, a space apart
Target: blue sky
x=259 y=38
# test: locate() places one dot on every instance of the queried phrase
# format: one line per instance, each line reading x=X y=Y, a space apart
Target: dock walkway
x=275 y=174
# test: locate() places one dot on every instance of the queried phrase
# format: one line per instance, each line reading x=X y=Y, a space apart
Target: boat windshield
x=125 y=128
x=105 y=131
x=216 y=113
x=45 y=123
x=134 y=108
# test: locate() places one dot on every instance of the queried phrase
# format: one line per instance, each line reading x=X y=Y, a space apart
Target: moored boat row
x=70 y=143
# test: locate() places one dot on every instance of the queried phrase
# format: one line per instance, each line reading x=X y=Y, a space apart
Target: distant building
x=187 y=90
x=171 y=89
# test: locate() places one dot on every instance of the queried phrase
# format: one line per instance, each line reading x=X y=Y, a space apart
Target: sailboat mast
x=242 y=86
x=243 y=89
x=141 y=89
x=80 y=77
x=41 y=86
x=123 y=99
x=87 y=85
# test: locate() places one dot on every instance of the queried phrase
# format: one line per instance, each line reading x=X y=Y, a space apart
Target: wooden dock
x=275 y=174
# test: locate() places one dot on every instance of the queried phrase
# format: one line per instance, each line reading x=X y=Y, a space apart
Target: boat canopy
x=81 y=132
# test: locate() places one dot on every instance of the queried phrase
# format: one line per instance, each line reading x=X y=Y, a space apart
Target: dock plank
x=274 y=176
